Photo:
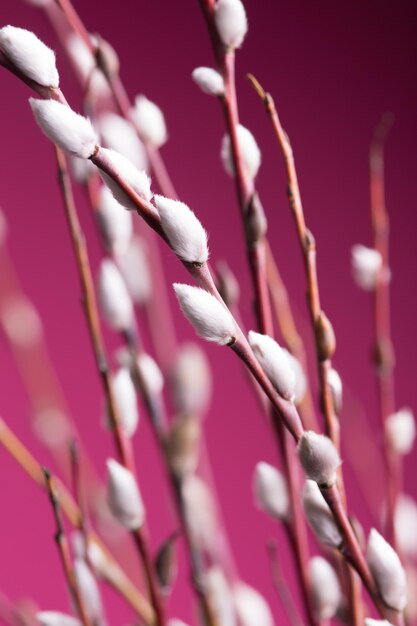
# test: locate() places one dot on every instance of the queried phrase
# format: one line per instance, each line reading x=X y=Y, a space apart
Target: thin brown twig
x=281 y=586
x=308 y=248
x=384 y=357
x=64 y=551
x=32 y=467
x=122 y=444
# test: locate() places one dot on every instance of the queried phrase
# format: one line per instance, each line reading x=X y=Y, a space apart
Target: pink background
x=333 y=68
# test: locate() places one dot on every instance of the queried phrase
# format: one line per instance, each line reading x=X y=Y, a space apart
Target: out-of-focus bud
x=191 y=380
x=405 y=522
x=227 y=284
x=270 y=489
x=249 y=152
x=366 y=264
x=21 y=322
x=116 y=224
x=210 y=81
x=150 y=373
x=81 y=169
x=106 y=56
x=182 y=445
x=231 y=22
x=29 y=55
x=89 y=592
x=387 y=571
x=200 y=513
x=52 y=427
x=114 y=298
x=319 y=516
x=251 y=607
x=274 y=362
x=300 y=377
x=55 y=618
x=121 y=136
x=123 y=496
x=336 y=387
x=210 y=319
x=126 y=402
x=166 y=565
x=324 y=588
x=68 y=130
x=376 y=622
x=184 y=231
x=220 y=596
x=134 y=267
x=400 y=430
x=176 y=622
x=86 y=67
x=255 y=222
x=325 y=337
x=150 y=121
x=319 y=457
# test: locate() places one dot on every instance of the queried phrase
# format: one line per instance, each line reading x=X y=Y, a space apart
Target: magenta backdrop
x=333 y=69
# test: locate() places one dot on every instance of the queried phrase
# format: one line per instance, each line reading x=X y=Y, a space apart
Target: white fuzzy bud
x=251 y=607
x=89 y=592
x=376 y=622
x=319 y=457
x=324 y=588
x=300 y=377
x=220 y=596
x=150 y=121
x=366 y=264
x=249 y=151
x=336 y=386
x=115 y=222
x=185 y=233
x=81 y=169
x=151 y=374
x=405 y=522
x=200 y=512
x=137 y=179
x=68 y=130
x=55 y=618
x=116 y=304
x=274 y=362
x=85 y=66
x=231 y=22
x=270 y=489
x=210 y=81
x=191 y=380
x=319 y=516
x=211 y=320
x=125 y=398
x=134 y=267
x=387 y=571
x=176 y=622
x=400 y=429
x=29 y=55
x=123 y=496
x=121 y=136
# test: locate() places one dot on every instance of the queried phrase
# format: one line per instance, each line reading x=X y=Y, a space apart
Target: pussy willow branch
x=256 y=254
x=122 y=444
x=384 y=350
x=121 y=583
x=285 y=410
x=289 y=332
x=158 y=307
x=156 y=413
x=64 y=552
x=308 y=249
